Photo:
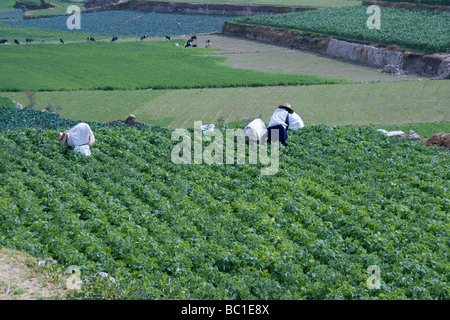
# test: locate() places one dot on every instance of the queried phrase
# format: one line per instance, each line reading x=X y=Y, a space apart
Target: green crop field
x=344 y=199
x=407 y=28
x=7 y=4
x=10 y=32
x=134 y=65
x=341 y=202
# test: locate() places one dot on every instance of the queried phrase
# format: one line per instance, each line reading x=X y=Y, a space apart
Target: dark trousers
x=282 y=134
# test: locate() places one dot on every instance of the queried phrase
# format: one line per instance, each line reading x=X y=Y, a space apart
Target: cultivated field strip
x=342 y=201
x=352 y=104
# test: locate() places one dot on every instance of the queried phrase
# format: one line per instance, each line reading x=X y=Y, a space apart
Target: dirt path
x=249 y=54
x=21 y=278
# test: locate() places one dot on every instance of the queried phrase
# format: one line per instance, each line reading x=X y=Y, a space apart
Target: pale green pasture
x=393 y=103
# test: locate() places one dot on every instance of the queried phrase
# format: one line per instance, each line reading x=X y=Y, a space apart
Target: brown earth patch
x=23 y=277
x=439 y=139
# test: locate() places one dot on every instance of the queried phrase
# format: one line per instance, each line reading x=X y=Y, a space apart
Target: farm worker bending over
x=282 y=119
x=79 y=135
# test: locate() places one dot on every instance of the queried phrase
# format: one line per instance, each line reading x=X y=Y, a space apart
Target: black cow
x=114 y=39
x=194 y=37
x=16 y=41
x=188 y=44
x=144 y=37
x=28 y=40
x=3 y=41
x=61 y=40
x=91 y=39
x=168 y=37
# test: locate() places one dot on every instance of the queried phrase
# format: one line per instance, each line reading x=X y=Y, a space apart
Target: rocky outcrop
x=369 y=55
x=433 y=65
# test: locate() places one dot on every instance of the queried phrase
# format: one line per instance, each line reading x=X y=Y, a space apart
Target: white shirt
x=279 y=117
x=255 y=130
x=79 y=135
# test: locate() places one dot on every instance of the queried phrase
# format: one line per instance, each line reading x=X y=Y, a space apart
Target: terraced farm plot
x=127 y=65
x=413 y=29
x=342 y=201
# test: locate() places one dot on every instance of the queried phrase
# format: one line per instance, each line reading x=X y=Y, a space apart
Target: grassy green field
x=21 y=33
x=405 y=102
x=131 y=65
x=61 y=8
x=7 y=4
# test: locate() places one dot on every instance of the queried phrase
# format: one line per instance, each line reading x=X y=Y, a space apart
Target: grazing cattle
x=16 y=41
x=190 y=41
x=188 y=45
x=28 y=40
x=3 y=41
x=91 y=39
x=194 y=46
x=168 y=37
x=114 y=39
x=194 y=37
x=208 y=44
x=144 y=37
x=61 y=40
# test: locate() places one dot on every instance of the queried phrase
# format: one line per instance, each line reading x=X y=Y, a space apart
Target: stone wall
x=369 y=55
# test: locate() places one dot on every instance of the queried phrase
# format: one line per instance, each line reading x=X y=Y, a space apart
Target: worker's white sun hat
x=286 y=106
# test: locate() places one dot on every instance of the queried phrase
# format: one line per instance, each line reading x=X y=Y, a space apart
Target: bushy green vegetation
x=414 y=29
x=127 y=65
x=343 y=200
